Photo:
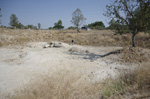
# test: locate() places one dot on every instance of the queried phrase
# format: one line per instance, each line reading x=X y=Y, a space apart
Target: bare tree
x=77 y=19
x=135 y=14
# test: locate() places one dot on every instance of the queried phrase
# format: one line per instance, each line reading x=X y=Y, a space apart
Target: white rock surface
x=18 y=65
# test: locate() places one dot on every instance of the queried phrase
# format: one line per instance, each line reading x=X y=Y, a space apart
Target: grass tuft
x=130 y=85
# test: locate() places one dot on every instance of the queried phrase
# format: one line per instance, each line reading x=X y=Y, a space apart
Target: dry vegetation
x=131 y=85
x=134 y=55
x=93 y=37
x=68 y=85
x=61 y=85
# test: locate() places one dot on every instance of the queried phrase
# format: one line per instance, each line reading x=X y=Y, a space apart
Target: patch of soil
x=134 y=55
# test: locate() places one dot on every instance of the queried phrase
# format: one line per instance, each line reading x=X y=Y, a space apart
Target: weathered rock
x=57 y=44
x=46 y=46
x=53 y=44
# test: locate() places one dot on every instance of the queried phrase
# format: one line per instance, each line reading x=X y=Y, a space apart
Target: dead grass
x=92 y=38
x=130 y=85
x=134 y=55
x=1 y=44
x=21 y=40
x=69 y=85
x=61 y=85
x=65 y=84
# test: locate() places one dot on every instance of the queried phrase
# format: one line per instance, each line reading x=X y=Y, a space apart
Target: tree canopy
x=39 y=26
x=0 y=15
x=14 y=21
x=58 y=25
x=131 y=14
x=98 y=25
x=71 y=27
x=30 y=27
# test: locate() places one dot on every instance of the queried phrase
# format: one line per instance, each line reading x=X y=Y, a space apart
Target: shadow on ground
x=92 y=56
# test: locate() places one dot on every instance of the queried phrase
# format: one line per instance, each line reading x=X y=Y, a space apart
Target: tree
x=31 y=27
x=112 y=24
x=71 y=28
x=50 y=28
x=77 y=19
x=14 y=21
x=39 y=26
x=134 y=14
x=98 y=25
x=115 y=25
x=20 y=26
x=58 y=25
x=0 y=15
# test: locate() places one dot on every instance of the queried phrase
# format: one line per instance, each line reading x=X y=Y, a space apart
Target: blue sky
x=47 y=12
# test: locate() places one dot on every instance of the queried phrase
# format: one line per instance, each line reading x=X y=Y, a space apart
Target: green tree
x=98 y=25
x=71 y=28
x=77 y=19
x=112 y=24
x=50 y=28
x=58 y=25
x=14 y=21
x=115 y=25
x=20 y=26
x=0 y=15
x=39 y=26
x=134 y=14
x=31 y=27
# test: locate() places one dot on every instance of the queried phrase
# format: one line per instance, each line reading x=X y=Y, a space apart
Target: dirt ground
x=19 y=65
x=81 y=69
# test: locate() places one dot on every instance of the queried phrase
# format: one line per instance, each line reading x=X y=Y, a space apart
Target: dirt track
x=20 y=64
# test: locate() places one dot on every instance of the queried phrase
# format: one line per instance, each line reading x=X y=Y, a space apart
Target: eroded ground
x=19 y=65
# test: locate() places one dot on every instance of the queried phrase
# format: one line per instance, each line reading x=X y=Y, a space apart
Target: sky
x=47 y=12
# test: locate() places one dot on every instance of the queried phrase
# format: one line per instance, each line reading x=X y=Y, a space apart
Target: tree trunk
x=133 y=40
x=78 y=30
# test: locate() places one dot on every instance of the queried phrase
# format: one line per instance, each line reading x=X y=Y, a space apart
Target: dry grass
x=65 y=84
x=1 y=44
x=70 y=85
x=130 y=85
x=134 y=55
x=93 y=37
x=62 y=84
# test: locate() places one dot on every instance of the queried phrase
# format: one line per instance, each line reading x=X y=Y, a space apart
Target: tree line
x=127 y=16
x=14 y=23
x=77 y=20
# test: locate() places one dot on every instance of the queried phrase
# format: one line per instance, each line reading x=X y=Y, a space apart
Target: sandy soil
x=20 y=64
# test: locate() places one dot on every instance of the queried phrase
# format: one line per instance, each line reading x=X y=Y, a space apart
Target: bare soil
x=81 y=70
x=20 y=64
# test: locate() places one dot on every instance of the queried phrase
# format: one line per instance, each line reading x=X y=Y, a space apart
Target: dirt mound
x=134 y=55
x=78 y=50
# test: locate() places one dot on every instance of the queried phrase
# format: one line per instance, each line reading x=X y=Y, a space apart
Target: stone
x=46 y=46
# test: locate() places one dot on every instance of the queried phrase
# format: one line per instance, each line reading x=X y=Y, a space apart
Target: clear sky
x=47 y=12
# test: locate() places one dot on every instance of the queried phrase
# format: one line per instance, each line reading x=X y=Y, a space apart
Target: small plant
x=1 y=44
x=113 y=88
x=136 y=82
